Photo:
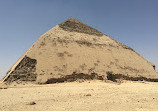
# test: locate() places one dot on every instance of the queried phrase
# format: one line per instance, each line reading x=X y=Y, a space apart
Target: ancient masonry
x=73 y=50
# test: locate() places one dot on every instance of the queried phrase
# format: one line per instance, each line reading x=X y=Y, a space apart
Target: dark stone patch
x=60 y=54
x=75 y=76
x=24 y=71
x=74 y=25
x=113 y=77
x=84 y=42
x=154 y=67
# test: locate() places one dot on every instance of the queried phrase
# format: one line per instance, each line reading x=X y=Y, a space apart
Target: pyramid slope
x=73 y=50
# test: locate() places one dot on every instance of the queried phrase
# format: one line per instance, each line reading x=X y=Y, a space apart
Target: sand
x=81 y=96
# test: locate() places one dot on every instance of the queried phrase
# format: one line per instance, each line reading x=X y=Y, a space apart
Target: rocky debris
x=75 y=77
x=3 y=86
x=119 y=77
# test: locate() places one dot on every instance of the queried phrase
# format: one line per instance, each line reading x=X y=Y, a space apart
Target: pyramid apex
x=74 y=25
x=73 y=19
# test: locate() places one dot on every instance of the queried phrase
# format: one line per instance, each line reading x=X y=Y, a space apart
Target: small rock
x=141 y=81
x=3 y=87
x=88 y=95
x=80 y=81
x=32 y=103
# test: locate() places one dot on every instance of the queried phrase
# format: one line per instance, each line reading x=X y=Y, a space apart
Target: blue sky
x=132 y=22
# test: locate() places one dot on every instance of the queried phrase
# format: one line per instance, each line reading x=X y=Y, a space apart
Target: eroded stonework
x=74 y=25
x=24 y=71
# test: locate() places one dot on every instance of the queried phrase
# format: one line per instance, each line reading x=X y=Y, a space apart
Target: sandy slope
x=129 y=96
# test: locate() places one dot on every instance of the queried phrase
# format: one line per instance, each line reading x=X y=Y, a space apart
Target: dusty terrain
x=81 y=96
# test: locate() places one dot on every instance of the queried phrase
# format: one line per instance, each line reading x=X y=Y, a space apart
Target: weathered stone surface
x=73 y=50
x=77 y=26
x=24 y=71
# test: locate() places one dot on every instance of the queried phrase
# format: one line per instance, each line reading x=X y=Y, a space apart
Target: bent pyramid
x=73 y=50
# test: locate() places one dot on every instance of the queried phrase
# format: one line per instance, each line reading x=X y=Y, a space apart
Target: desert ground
x=81 y=96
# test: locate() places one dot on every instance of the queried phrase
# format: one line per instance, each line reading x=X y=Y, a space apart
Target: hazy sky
x=132 y=22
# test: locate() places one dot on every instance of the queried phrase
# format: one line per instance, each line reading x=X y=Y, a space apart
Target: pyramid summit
x=75 y=25
x=73 y=50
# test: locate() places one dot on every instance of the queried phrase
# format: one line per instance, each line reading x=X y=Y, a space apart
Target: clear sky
x=132 y=22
